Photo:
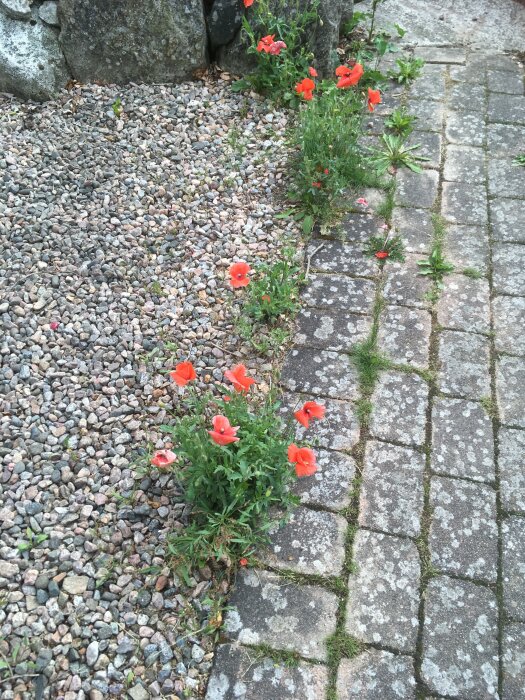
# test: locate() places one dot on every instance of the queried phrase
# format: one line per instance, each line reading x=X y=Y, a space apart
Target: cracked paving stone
x=391 y=498
x=320 y=373
x=416 y=189
x=509 y=268
x=465 y=304
x=359 y=227
x=462 y=440
x=463 y=203
x=415 y=228
x=467 y=247
x=339 y=292
x=506 y=216
x=509 y=324
x=331 y=484
x=506 y=109
x=513 y=662
x=460 y=646
x=331 y=330
x=383 y=598
x=513 y=535
x=505 y=178
x=510 y=384
x=342 y=258
x=429 y=115
x=339 y=429
x=376 y=675
x=404 y=335
x=405 y=286
x=464 y=128
x=309 y=542
x=467 y=97
x=400 y=402
x=499 y=136
x=464 y=535
x=429 y=146
x=501 y=81
x=464 y=164
x=512 y=468
x=241 y=674
x=267 y=609
x=464 y=359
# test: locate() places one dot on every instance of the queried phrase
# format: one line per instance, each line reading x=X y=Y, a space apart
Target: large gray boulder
x=31 y=63
x=118 y=41
x=323 y=37
x=224 y=21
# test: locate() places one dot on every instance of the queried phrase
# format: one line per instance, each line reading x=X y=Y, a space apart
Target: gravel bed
x=116 y=233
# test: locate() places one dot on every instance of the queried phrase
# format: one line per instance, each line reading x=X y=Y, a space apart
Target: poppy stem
x=309 y=262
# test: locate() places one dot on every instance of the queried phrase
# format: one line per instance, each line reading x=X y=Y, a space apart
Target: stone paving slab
x=415 y=228
x=505 y=178
x=464 y=164
x=383 y=592
x=431 y=85
x=462 y=440
x=513 y=536
x=510 y=383
x=359 y=227
x=467 y=247
x=506 y=218
x=339 y=429
x=460 y=645
x=347 y=294
x=470 y=73
x=463 y=536
x=416 y=189
x=405 y=285
x=509 y=324
x=391 y=498
x=467 y=97
x=430 y=115
x=429 y=146
x=320 y=373
x=331 y=330
x=341 y=258
x=513 y=661
x=464 y=359
x=268 y=609
x=501 y=136
x=330 y=487
x=509 y=257
x=243 y=674
x=506 y=109
x=502 y=81
x=404 y=335
x=512 y=468
x=400 y=403
x=465 y=129
x=463 y=203
x=440 y=54
x=376 y=675
x=465 y=304
x=310 y=542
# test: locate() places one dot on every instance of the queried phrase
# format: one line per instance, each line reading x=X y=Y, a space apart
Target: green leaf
x=400 y=30
x=308 y=224
x=240 y=85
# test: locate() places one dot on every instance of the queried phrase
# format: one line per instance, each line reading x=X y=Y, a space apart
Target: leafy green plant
x=408 y=70
x=232 y=487
x=117 y=107
x=33 y=540
x=473 y=273
x=396 y=154
x=384 y=248
x=401 y=122
x=435 y=266
x=519 y=160
x=368 y=362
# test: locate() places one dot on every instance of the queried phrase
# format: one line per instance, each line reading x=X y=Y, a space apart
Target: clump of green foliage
x=401 y=122
x=395 y=154
x=408 y=70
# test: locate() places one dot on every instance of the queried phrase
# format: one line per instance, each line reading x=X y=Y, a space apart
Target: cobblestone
x=512 y=468
x=508 y=257
x=505 y=178
x=416 y=189
x=464 y=304
x=376 y=674
x=400 y=403
x=506 y=108
x=465 y=129
x=506 y=219
x=415 y=228
x=467 y=247
x=405 y=286
x=341 y=258
x=320 y=373
x=499 y=136
x=464 y=359
x=463 y=203
x=339 y=292
x=404 y=335
x=464 y=164
x=330 y=487
x=509 y=324
x=331 y=330
x=359 y=227
x=513 y=535
x=513 y=662
x=510 y=380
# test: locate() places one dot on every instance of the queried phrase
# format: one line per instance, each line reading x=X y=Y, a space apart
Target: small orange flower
x=310 y=410
x=381 y=254
x=237 y=376
x=312 y=72
x=276 y=47
x=163 y=458
x=239 y=275
x=266 y=298
x=243 y=561
x=349 y=76
x=318 y=185
x=183 y=373
x=223 y=433
x=304 y=460
x=248 y=3
x=374 y=98
x=305 y=88
x=265 y=43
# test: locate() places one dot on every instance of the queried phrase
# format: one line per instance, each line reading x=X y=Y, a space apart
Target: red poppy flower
x=248 y=3
x=349 y=76
x=265 y=43
x=305 y=88
x=239 y=274
x=317 y=184
x=163 y=458
x=381 y=254
x=304 y=460
x=312 y=72
x=266 y=298
x=276 y=47
x=183 y=373
x=326 y=171
x=238 y=378
x=223 y=433
x=243 y=561
x=310 y=410
x=374 y=98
